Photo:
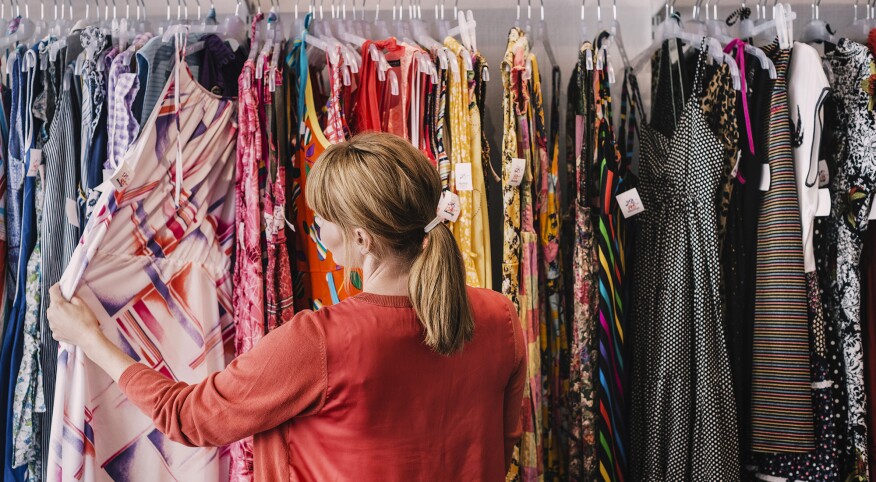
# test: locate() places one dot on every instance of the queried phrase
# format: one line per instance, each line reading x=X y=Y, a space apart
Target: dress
x=781 y=392
x=583 y=313
x=610 y=234
x=852 y=191
x=145 y=257
x=683 y=412
x=318 y=281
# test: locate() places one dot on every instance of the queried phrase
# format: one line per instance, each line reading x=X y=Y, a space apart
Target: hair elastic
x=431 y=225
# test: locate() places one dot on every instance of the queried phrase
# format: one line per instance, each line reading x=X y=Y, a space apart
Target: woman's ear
x=363 y=241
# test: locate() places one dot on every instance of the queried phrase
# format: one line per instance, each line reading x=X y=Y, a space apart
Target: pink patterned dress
x=156 y=271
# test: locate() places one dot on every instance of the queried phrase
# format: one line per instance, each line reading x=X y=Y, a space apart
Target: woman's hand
x=72 y=321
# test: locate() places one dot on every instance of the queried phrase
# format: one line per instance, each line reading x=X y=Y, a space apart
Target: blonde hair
x=382 y=184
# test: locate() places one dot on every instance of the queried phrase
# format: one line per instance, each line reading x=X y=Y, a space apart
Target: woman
x=417 y=378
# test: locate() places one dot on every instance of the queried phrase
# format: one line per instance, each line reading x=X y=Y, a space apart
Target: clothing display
x=688 y=276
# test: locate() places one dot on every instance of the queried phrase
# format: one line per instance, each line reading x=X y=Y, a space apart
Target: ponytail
x=437 y=289
x=381 y=183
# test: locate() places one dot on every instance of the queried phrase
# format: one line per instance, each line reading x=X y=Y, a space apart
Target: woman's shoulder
x=487 y=304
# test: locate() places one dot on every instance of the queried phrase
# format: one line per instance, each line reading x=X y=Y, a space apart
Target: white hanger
x=670 y=29
x=782 y=22
x=860 y=27
x=715 y=30
x=816 y=31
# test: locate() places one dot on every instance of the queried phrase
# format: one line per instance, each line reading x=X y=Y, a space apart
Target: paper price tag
x=36 y=160
x=823 y=203
x=72 y=209
x=122 y=177
x=823 y=173
x=462 y=172
x=735 y=169
x=518 y=170
x=630 y=203
x=449 y=207
x=765 y=178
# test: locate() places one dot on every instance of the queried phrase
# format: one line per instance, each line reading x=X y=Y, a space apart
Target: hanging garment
x=248 y=296
x=29 y=398
x=13 y=342
x=279 y=298
x=807 y=90
x=610 y=233
x=554 y=344
x=29 y=391
x=318 y=281
x=122 y=87
x=526 y=457
x=540 y=210
x=781 y=395
x=59 y=237
x=869 y=334
x=460 y=156
x=719 y=107
x=147 y=255
x=852 y=189
x=739 y=259
x=682 y=414
x=466 y=133
x=582 y=388
x=669 y=89
x=529 y=148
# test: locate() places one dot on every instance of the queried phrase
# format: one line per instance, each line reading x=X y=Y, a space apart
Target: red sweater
x=351 y=393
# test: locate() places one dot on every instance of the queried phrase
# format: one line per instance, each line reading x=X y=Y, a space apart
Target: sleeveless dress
x=156 y=272
x=683 y=412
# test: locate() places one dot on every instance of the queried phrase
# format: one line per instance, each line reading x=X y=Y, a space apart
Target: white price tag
x=122 y=177
x=462 y=173
x=630 y=203
x=449 y=207
x=765 y=178
x=823 y=203
x=72 y=210
x=36 y=160
x=735 y=169
x=518 y=170
x=823 y=173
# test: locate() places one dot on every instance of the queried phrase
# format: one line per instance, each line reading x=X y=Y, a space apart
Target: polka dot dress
x=683 y=410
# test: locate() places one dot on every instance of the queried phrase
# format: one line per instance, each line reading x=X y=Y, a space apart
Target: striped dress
x=781 y=394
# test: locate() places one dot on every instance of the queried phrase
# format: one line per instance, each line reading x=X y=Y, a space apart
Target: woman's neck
x=389 y=277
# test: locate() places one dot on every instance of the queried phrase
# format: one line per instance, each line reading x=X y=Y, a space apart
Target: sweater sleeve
x=514 y=388
x=283 y=376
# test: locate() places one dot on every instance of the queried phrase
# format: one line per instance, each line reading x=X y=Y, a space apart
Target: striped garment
x=781 y=394
x=59 y=238
x=610 y=232
x=156 y=273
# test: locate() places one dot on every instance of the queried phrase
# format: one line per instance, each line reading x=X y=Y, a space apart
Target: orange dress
x=317 y=281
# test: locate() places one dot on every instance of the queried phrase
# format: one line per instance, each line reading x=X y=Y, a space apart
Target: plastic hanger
x=860 y=27
x=765 y=62
x=817 y=30
x=670 y=29
x=695 y=25
x=614 y=30
x=23 y=33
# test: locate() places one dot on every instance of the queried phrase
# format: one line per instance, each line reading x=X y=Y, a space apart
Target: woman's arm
x=283 y=376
